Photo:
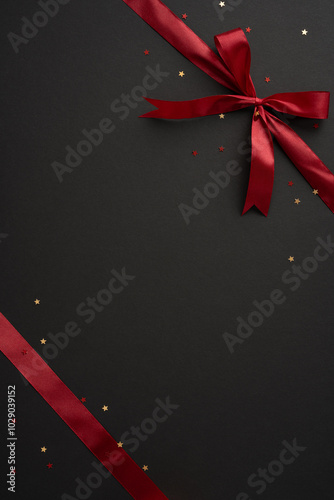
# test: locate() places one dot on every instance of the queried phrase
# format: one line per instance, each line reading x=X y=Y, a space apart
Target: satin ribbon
x=231 y=69
x=75 y=414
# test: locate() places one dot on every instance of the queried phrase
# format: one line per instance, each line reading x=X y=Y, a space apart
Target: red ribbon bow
x=232 y=71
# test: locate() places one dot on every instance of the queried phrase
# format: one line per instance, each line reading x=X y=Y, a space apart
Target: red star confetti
x=49 y=466
x=83 y=400
x=184 y=16
x=290 y=183
x=221 y=148
x=24 y=352
x=316 y=125
x=146 y=52
x=248 y=30
x=195 y=153
x=267 y=79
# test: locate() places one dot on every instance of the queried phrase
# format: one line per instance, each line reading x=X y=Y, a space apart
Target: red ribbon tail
x=206 y=106
x=306 y=161
x=261 y=177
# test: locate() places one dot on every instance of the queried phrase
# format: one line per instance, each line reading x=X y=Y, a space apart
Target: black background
x=162 y=336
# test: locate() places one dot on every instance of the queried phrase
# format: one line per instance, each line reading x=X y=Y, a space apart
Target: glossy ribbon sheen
x=76 y=415
x=232 y=71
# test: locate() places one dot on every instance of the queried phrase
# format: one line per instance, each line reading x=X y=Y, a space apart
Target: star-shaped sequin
x=290 y=183
x=145 y=467
x=105 y=408
x=184 y=16
x=43 y=449
x=315 y=191
x=49 y=466
x=297 y=201
x=304 y=32
x=248 y=30
x=222 y=4
x=120 y=444
x=43 y=341
x=195 y=153
x=221 y=148
x=316 y=125
x=291 y=259
x=222 y=116
x=37 y=301
x=181 y=74
x=267 y=79
x=83 y=400
x=146 y=52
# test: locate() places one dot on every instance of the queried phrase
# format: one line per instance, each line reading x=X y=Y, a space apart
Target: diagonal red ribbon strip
x=76 y=415
x=234 y=68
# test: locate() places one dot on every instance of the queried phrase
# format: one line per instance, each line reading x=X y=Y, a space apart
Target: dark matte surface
x=162 y=336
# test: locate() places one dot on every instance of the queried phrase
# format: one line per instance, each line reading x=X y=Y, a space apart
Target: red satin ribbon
x=76 y=415
x=232 y=71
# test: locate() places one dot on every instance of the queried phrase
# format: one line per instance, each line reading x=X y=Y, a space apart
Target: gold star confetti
x=43 y=341
x=222 y=4
x=43 y=449
x=297 y=201
x=291 y=259
x=315 y=191
x=221 y=116
x=257 y=113
x=145 y=467
x=37 y=301
x=120 y=444
x=105 y=408
x=304 y=32
x=181 y=74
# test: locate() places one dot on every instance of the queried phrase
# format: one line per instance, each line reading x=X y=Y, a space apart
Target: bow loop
x=234 y=50
x=306 y=104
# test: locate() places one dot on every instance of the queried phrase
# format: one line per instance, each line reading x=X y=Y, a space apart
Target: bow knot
x=258 y=101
